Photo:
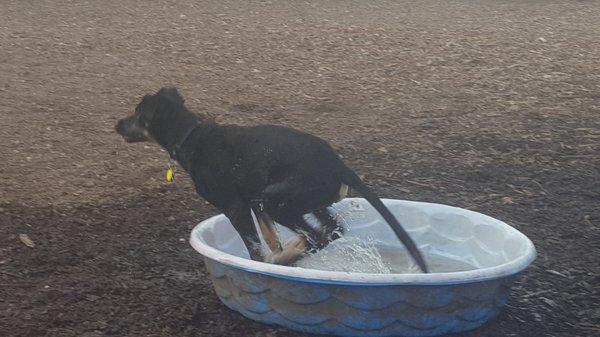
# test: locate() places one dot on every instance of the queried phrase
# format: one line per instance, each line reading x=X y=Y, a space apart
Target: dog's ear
x=146 y=109
x=172 y=94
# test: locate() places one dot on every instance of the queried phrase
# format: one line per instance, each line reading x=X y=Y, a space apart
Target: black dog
x=279 y=173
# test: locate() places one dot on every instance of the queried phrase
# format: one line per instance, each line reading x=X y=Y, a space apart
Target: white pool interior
x=353 y=254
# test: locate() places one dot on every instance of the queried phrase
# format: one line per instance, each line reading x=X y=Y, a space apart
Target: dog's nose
x=119 y=127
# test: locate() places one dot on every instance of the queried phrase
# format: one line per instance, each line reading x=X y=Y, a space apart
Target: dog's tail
x=351 y=179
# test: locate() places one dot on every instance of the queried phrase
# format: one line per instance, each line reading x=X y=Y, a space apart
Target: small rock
x=171 y=218
x=26 y=240
x=587 y=286
x=554 y=272
x=548 y=301
x=382 y=149
x=541 y=39
x=88 y=183
x=507 y=201
x=91 y=298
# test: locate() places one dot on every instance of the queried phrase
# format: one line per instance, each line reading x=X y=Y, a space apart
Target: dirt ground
x=488 y=105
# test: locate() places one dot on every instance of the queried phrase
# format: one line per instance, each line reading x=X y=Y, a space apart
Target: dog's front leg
x=241 y=219
x=267 y=229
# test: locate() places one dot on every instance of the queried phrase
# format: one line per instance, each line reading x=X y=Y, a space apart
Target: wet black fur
x=281 y=171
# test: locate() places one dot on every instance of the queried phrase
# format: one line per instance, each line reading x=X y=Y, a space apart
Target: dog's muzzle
x=130 y=130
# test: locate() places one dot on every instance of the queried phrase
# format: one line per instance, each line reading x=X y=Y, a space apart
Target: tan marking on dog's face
x=149 y=137
x=269 y=232
x=131 y=129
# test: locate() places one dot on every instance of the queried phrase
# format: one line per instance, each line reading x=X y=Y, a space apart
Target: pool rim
x=371 y=279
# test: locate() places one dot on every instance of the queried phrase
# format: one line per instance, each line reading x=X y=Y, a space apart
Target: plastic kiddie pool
x=362 y=304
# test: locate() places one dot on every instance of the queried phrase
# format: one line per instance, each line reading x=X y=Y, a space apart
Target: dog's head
x=149 y=115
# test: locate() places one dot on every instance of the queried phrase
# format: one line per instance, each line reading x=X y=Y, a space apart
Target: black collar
x=185 y=136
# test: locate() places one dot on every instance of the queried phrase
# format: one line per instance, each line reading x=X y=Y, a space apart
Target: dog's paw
x=290 y=252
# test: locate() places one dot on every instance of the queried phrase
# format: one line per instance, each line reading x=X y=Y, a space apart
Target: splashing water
x=349 y=254
x=352 y=254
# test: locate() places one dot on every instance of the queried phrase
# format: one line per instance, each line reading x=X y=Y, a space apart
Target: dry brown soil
x=489 y=105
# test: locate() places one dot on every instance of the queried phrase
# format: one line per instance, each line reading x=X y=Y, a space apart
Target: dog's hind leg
x=294 y=248
x=268 y=230
x=331 y=230
x=309 y=239
x=291 y=251
x=343 y=191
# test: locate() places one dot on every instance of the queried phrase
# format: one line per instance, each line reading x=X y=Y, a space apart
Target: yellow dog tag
x=170 y=174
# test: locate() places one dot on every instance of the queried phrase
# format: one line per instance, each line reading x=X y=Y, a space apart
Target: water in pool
x=351 y=254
